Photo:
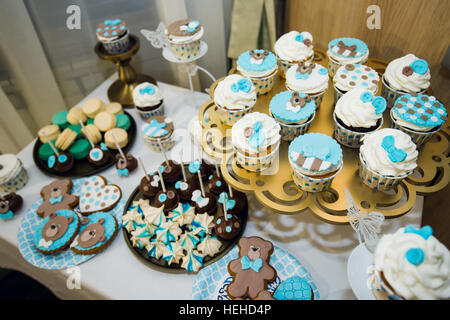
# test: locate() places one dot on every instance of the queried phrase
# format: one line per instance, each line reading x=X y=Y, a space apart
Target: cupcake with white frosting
x=410 y=264
x=13 y=175
x=293 y=47
x=148 y=100
x=234 y=97
x=387 y=156
x=309 y=78
x=255 y=139
x=408 y=74
x=260 y=66
x=342 y=51
x=357 y=113
x=184 y=37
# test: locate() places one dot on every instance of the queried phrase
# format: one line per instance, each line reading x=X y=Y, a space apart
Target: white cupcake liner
x=284 y=65
x=229 y=117
x=185 y=51
x=264 y=84
x=377 y=181
x=317 y=97
x=339 y=93
x=256 y=164
x=17 y=182
x=419 y=138
x=349 y=138
x=311 y=183
x=148 y=114
x=291 y=131
x=118 y=46
x=161 y=145
x=391 y=95
x=379 y=287
x=333 y=65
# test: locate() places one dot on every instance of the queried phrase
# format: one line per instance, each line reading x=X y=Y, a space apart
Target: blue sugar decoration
x=415 y=256
x=420 y=66
x=425 y=232
x=394 y=154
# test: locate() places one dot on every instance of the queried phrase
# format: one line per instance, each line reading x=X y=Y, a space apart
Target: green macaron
x=90 y=121
x=76 y=128
x=45 y=151
x=80 y=149
x=123 y=121
x=60 y=119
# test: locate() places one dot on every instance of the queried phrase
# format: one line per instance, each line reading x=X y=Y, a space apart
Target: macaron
x=123 y=121
x=121 y=136
x=52 y=131
x=91 y=107
x=76 y=128
x=90 y=121
x=114 y=108
x=93 y=133
x=105 y=121
x=60 y=119
x=46 y=151
x=80 y=149
x=75 y=115
x=65 y=139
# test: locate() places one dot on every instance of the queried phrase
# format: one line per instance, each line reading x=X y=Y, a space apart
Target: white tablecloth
x=117 y=274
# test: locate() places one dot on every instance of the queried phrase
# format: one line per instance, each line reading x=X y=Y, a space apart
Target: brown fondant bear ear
x=70 y=220
x=101 y=220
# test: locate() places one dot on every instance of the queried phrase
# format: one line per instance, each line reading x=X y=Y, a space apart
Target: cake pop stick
x=230 y=191
x=51 y=144
x=217 y=170
x=162 y=180
x=143 y=168
x=117 y=146
x=87 y=134
x=164 y=153
x=224 y=206
x=182 y=169
x=202 y=189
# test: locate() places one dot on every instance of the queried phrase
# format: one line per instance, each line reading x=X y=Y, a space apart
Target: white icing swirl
x=270 y=128
x=287 y=48
x=315 y=83
x=256 y=74
x=398 y=81
x=185 y=39
x=146 y=100
x=226 y=98
x=377 y=159
x=352 y=111
x=428 y=280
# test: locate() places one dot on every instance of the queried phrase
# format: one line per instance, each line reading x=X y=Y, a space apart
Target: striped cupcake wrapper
x=348 y=138
x=391 y=95
x=264 y=84
x=291 y=131
x=284 y=65
x=161 y=145
x=185 y=51
x=118 y=46
x=256 y=164
x=311 y=183
x=16 y=183
x=148 y=114
x=229 y=117
x=419 y=138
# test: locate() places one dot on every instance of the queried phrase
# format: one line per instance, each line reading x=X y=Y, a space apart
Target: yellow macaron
x=91 y=107
x=65 y=139
x=52 y=131
x=75 y=115
x=121 y=136
x=93 y=133
x=114 y=108
x=105 y=121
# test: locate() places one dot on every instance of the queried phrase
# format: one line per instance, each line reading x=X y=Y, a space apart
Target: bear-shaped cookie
x=57 y=196
x=251 y=272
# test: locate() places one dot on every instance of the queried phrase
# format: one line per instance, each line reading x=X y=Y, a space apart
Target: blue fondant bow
x=243 y=85
x=7 y=215
x=156 y=126
x=56 y=199
x=193 y=25
x=254 y=265
x=229 y=204
x=258 y=136
x=122 y=172
x=103 y=146
x=394 y=154
x=147 y=90
x=424 y=232
x=112 y=22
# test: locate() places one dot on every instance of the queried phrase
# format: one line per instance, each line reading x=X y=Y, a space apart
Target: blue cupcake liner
x=334 y=65
x=284 y=65
x=391 y=95
x=348 y=138
x=256 y=164
x=118 y=46
x=291 y=131
x=230 y=117
x=148 y=114
x=311 y=183
x=264 y=84
x=185 y=51
x=15 y=183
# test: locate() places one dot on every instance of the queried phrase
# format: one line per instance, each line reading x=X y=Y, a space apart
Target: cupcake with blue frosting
x=294 y=111
x=342 y=51
x=418 y=115
x=184 y=37
x=148 y=100
x=357 y=113
x=114 y=36
x=315 y=159
x=260 y=66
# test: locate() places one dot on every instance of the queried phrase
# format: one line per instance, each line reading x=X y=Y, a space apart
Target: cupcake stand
x=432 y=174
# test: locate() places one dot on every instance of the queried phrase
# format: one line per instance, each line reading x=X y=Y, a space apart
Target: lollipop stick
x=162 y=180
x=164 y=153
x=224 y=206
x=230 y=191
x=143 y=168
x=201 y=183
x=117 y=145
x=51 y=144
x=86 y=133
x=217 y=170
x=182 y=167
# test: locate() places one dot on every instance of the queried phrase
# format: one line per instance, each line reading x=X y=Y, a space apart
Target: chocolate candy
x=62 y=163
x=171 y=172
x=216 y=184
x=9 y=204
x=98 y=156
x=228 y=228
x=125 y=166
x=185 y=188
x=169 y=199
x=150 y=187
x=206 y=204
x=240 y=202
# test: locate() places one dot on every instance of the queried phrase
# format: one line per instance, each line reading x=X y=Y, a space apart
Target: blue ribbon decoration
x=394 y=154
x=6 y=216
x=299 y=38
x=122 y=172
x=103 y=146
x=420 y=66
x=425 y=232
x=366 y=97
x=258 y=136
x=147 y=90
x=156 y=126
x=111 y=22
x=254 y=265
x=243 y=85
x=56 y=199
x=193 y=25
x=229 y=204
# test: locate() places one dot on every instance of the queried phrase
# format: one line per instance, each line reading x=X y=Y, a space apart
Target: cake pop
x=199 y=165
x=229 y=225
x=204 y=202
x=59 y=161
x=166 y=197
x=240 y=201
x=98 y=155
x=216 y=184
x=9 y=204
x=149 y=185
x=125 y=164
x=186 y=186
x=170 y=171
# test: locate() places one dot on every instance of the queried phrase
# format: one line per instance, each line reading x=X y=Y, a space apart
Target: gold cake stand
x=278 y=192
x=122 y=89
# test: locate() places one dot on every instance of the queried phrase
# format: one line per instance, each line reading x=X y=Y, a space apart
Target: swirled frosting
x=292 y=46
x=356 y=112
x=415 y=264
x=229 y=95
x=399 y=78
x=378 y=158
x=146 y=94
x=315 y=82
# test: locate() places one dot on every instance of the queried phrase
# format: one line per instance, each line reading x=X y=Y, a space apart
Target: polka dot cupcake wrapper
x=263 y=85
x=117 y=46
x=148 y=114
x=390 y=94
x=185 y=51
x=333 y=65
x=231 y=117
x=347 y=137
x=311 y=184
x=256 y=164
x=289 y=132
x=380 y=289
x=16 y=183
x=163 y=145
x=284 y=65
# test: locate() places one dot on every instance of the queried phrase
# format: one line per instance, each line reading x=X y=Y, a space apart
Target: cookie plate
x=211 y=282
x=82 y=167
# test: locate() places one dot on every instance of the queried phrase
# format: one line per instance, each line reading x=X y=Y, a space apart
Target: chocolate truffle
x=205 y=169
x=216 y=184
x=9 y=203
x=240 y=201
x=228 y=228
x=205 y=204
x=170 y=172
x=150 y=187
x=99 y=156
x=185 y=188
x=125 y=166
x=169 y=199
x=62 y=163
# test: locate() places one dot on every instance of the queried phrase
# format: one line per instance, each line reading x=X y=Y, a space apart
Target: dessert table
x=116 y=273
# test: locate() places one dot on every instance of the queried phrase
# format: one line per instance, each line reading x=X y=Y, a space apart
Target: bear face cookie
x=56 y=231
x=96 y=195
x=57 y=196
x=251 y=272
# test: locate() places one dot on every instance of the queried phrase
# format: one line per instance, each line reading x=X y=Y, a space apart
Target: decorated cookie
x=111 y=29
x=346 y=48
x=57 y=196
x=9 y=204
x=216 y=184
x=125 y=166
x=62 y=163
x=206 y=204
x=251 y=272
x=193 y=261
x=96 y=195
x=350 y=76
x=294 y=288
x=97 y=232
x=167 y=199
x=56 y=231
x=185 y=188
x=292 y=107
x=171 y=171
x=150 y=185
x=99 y=155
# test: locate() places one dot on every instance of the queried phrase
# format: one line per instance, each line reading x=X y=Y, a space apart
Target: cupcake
x=260 y=66
x=294 y=112
x=255 y=139
x=407 y=74
x=309 y=78
x=342 y=51
x=387 y=156
x=148 y=100
x=184 y=37
x=293 y=47
x=352 y=76
x=356 y=113
x=418 y=115
x=234 y=97
x=13 y=175
x=114 y=36
x=315 y=159
x=158 y=133
x=410 y=264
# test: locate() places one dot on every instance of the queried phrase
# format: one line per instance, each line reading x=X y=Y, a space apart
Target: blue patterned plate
x=63 y=259
x=211 y=282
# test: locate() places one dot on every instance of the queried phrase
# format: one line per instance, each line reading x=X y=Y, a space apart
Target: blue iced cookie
x=293 y=288
x=292 y=107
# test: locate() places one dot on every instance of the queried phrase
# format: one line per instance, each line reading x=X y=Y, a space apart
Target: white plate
x=357 y=264
x=168 y=55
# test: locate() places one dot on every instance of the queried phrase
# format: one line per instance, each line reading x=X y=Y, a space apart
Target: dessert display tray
x=277 y=191
x=82 y=168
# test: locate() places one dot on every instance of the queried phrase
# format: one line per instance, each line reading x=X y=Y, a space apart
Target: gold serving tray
x=278 y=192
